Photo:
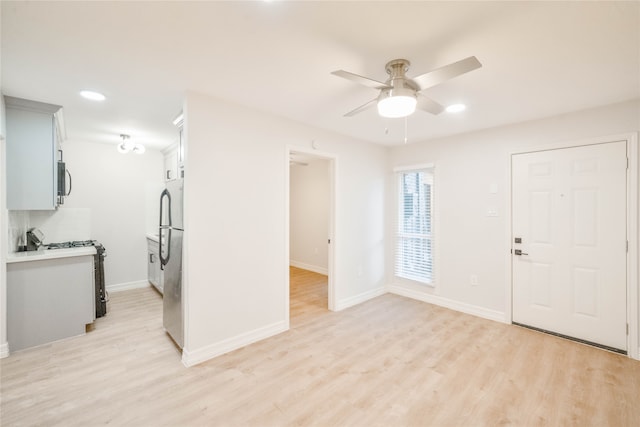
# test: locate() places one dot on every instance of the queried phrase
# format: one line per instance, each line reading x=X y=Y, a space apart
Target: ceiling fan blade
x=362 y=108
x=429 y=105
x=447 y=72
x=365 y=81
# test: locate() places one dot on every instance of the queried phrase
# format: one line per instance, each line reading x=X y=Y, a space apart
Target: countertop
x=42 y=254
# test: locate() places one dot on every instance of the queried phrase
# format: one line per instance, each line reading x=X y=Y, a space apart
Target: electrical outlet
x=473 y=280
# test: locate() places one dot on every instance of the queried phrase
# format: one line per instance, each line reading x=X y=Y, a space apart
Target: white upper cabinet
x=174 y=155
x=31 y=155
x=171 y=164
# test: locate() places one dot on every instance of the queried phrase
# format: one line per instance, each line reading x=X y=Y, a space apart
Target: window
x=414 y=225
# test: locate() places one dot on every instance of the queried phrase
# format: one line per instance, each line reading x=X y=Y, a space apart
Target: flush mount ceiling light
x=127 y=146
x=400 y=95
x=94 y=96
x=456 y=108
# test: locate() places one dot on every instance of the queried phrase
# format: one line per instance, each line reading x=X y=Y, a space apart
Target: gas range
x=72 y=244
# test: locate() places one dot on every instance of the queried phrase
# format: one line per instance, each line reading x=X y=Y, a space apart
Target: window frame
x=399 y=172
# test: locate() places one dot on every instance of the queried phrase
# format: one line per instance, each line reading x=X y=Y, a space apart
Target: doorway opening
x=310 y=225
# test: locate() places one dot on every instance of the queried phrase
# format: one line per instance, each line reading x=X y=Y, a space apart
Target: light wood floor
x=308 y=296
x=390 y=361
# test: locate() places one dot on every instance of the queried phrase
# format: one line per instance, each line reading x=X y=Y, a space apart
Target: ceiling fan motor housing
x=400 y=84
x=398 y=100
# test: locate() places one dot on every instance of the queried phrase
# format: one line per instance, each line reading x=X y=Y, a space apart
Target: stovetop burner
x=73 y=244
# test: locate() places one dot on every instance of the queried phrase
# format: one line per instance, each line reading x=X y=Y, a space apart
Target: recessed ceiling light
x=456 y=108
x=94 y=96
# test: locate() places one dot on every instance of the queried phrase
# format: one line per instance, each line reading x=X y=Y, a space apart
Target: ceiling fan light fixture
x=139 y=149
x=397 y=106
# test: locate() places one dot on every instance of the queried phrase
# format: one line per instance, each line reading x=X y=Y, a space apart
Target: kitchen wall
x=236 y=192
x=472 y=177
x=309 y=215
x=116 y=196
x=114 y=199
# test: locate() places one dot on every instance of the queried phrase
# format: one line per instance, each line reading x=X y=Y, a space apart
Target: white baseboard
x=191 y=358
x=309 y=267
x=128 y=285
x=360 y=298
x=474 y=310
x=4 y=350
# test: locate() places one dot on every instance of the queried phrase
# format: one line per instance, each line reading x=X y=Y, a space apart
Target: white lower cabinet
x=154 y=273
x=48 y=300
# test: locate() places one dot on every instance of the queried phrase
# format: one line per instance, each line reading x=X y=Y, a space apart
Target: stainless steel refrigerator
x=171 y=233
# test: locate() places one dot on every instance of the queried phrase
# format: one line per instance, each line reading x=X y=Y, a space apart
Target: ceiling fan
x=400 y=95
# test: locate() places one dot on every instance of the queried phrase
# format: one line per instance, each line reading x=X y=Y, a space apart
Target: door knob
x=519 y=252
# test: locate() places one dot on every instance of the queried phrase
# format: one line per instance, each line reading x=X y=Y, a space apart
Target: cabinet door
x=171 y=166
x=181 y=147
x=152 y=270
x=154 y=273
x=48 y=300
x=31 y=160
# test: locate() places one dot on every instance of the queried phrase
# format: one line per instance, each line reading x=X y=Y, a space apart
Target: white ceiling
x=539 y=59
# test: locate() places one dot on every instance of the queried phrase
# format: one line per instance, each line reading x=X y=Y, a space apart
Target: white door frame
x=633 y=291
x=333 y=173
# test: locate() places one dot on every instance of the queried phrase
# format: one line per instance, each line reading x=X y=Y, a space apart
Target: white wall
x=467 y=166
x=309 y=215
x=4 y=345
x=113 y=193
x=236 y=267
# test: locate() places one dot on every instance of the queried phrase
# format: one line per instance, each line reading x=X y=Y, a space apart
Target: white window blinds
x=414 y=225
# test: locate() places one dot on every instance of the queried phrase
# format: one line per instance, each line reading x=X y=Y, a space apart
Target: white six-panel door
x=569 y=210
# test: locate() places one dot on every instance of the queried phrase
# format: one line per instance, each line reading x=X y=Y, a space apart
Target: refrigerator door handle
x=164 y=260
x=165 y=193
x=162 y=227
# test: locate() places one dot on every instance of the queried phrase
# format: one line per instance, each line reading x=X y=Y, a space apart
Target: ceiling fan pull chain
x=405 y=129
